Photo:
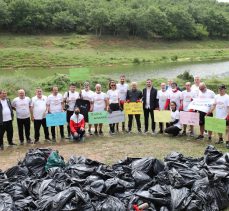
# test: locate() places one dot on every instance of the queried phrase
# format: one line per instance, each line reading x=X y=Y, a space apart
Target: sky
x=223 y=1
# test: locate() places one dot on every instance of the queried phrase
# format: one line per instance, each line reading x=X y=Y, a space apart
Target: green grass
x=86 y=50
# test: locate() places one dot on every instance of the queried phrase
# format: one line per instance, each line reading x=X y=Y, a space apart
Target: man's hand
x=75 y=134
x=82 y=129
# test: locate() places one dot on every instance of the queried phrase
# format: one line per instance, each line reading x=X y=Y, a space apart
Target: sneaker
x=100 y=132
x=12 y=144
x=199 y=138
x=1 y=147
x=220 y=141
x=36 y=140
x=160 y=132
x=227 y=144
x=29 y=141
x=112 y=133
x=96 y=132
x=48 y=140
x=128 y=131
x=90 y=133
x=209 y=138
x=139 y=131
x=21 y=142
x=145 y=131
x=68 y=137
x=53 y=139
x=191 y=134
x=153 y=133
x=184 y=133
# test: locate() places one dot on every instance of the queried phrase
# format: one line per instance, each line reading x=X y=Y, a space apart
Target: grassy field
x=86 y=50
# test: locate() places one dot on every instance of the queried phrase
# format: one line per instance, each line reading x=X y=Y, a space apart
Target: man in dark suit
x=150 y=103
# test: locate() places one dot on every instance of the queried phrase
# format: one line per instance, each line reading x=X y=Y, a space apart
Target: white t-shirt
x=162 y=97
x=113 y=96
x=99 y=101
x=206 y=95
x=122 y=90
x=6 y=113
x=22 y=107
x=87 y=95
x=39 y=107
x=222 y=106
x=147 y=105
x=55 y=103
x=175 y=97
x=73 y=96
x=176 y=115
x=187 y=98
x=195 y=90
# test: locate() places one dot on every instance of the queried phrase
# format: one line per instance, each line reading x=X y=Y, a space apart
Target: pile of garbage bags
x=44 y=181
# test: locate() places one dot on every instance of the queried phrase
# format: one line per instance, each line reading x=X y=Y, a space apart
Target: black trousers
x=53 y=131
x=8 y=128
x=69 y=114
x=161 y=125
x=130 y=121
x=80 y=134
x=23 y=124
x=148 y=111
x=37 y=126
x=174 y=130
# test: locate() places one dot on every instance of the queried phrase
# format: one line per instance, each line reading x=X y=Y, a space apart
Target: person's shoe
x=112 y=133
x=128 y=131
x=145 y=131
x=62 y=137
x=36 y=141
x=48 y=140
x=82 y=139
x=1 y=147
x=153 y=133
x=12 y=144
x=21 y=142
x=184 y=133
x=200 y=138
x=96 y=132
x=191 y=134
x=53 y=139
x=100 y=132
x=68 y=137
x=139 y=131
x=209 y=138
x=90 y=133
x=29 y=141
x=220 y=141
x=160 y=132
x=227 y=144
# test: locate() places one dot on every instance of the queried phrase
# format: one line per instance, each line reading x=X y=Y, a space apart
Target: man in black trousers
x=6 y=119
x=150 y=103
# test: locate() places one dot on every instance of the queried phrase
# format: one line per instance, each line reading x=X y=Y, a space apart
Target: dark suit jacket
x=11 y=110
x=153 y=98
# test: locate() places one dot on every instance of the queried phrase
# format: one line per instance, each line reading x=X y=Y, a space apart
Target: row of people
x=35 y=109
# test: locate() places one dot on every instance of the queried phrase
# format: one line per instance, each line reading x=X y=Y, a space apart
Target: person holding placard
x=100 y=103
x=6 y=119
x=55 y=104
x=134 y=95
x=221 y=107
x=70 y=98
x=38 y=114
x=204 y=93
x=150 y=103
x=187 y=97
x=87 y=94
x=122 y=88
x=114 y=103
x=162 y=96
x=195 y=86
x=175 y=125
x=22 y=105
x=77 y=125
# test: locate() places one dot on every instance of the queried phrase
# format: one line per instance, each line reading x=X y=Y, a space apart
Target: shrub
x=186 y=76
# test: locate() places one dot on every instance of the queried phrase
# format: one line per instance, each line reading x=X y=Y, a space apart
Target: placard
x=100 y=117
x=133 y=108
x=56 y=119
x=203 y=105
x=215 y=124
x=162 y=116
x=189 y=118
x=116 y=117
x=79 y=74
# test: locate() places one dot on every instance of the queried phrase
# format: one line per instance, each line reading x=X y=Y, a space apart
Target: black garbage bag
x=25 y=204
x=111 y=203
x=3 y=181
x=211 y=154
x=6 y=202
x=17 y=172
x=140 y=177
x=16 y=191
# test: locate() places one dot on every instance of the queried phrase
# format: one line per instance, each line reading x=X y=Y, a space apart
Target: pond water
x=134 y=72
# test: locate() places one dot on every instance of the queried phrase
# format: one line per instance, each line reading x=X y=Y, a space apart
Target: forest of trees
x=167 y=19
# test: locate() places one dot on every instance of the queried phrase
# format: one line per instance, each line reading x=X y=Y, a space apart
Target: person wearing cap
x=204 y=93
x=87 y=94
x=134 y=95
x=77 y=125
x=221 y=107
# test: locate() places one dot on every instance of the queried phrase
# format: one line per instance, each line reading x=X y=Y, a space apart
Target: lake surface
x=134 y=72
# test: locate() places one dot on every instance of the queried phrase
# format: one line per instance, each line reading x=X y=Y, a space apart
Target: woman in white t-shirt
x=175 y=125
x=99 y=104
x=114 y=102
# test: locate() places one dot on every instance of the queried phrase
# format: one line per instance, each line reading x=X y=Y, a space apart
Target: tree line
x=168 y=19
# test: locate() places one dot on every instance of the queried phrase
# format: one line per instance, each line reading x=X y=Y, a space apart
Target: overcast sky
x=223 y=1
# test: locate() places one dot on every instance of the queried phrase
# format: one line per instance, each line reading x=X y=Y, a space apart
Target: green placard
x=79 y=74
x=215 y=124
x=98 y=117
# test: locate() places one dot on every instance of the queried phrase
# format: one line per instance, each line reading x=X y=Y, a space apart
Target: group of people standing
x=169 y=97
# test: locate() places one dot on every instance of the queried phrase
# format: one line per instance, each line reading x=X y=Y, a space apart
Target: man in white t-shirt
x=187 y=97
x=100 y=103
x=221 y=106
x=70 y=98
x=55 y=104
x=204 y=93
x=122 y=88
x=39 y=110
x=195 y=86
x=162 y=96
x=6 y=119
x=22 y=105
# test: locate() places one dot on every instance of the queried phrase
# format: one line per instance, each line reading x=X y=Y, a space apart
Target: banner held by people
x=133 y=108
x=189 y=118
x=162 y=116
x=100 y=117
x=215 y=124
x=56 y=119
x=203 y=105
x=116 y=117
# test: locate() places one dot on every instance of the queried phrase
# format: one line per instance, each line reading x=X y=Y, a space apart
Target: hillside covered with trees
x=167 y=19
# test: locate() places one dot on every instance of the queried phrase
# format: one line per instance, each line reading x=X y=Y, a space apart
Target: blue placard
x=56 y=119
